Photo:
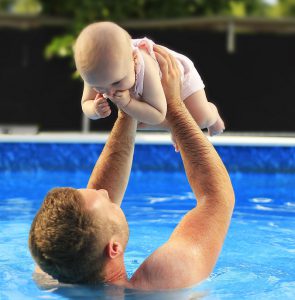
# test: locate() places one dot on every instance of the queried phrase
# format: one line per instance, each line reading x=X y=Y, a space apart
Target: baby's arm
x=153 y=107
x=93 y=104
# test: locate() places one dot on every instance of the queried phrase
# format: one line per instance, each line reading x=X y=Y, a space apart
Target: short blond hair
x=67 y=241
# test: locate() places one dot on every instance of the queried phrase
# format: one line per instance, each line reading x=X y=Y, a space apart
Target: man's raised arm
x=202 y=231
x=190 y=254
x=112 y=170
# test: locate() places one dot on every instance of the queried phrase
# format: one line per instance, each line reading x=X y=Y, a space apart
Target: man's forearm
x=112 y=169
x=205 y=170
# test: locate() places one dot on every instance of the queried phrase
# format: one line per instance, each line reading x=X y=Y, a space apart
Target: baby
x=126 y=71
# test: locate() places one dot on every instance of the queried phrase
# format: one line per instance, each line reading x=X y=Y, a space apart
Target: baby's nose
x=111 y=91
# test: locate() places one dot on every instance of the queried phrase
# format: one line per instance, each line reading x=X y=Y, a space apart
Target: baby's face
x=112 y=76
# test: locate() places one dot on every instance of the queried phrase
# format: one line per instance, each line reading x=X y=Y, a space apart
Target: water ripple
x=261 y=200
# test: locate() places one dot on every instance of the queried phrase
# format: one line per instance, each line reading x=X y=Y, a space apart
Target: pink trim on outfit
x=191 y=81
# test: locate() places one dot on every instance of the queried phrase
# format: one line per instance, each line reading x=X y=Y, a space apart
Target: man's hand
x=120 y=98
x=170 y=74
x=170 y=82
x=101 y=106
x=194 y=246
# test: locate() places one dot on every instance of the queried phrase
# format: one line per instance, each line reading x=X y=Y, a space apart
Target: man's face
x=99 y=202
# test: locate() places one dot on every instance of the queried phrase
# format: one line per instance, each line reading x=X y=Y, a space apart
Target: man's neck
x=116 y=273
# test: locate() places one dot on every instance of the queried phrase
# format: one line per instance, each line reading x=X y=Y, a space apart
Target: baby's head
x=104 y=57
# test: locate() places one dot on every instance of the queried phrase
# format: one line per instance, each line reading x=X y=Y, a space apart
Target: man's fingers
x=160 y=50
x=173 y=62
x=161 y=56
x=166 y=61
x=162 y=63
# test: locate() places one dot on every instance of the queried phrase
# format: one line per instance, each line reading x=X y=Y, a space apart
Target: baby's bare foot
x=175 y=144
x=217 y=127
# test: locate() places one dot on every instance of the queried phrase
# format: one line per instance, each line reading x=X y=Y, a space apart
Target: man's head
x=76 y=232
x=104 y=57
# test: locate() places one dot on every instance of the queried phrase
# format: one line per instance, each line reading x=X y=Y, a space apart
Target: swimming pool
x=258 y=258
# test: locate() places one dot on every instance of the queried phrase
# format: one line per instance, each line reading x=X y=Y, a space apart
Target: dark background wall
x=253 y=87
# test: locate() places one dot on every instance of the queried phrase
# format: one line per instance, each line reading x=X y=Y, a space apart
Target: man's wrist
x=122 y=114
x=174 y=108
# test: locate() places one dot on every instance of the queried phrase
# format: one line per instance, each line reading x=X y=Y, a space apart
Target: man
x=79 y=236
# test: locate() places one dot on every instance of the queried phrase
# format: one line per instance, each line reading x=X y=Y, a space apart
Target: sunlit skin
x=99 y=201
x=114 y=79
x=190 y=253
x=106 y=62
x=105 y=68
x=112 y=76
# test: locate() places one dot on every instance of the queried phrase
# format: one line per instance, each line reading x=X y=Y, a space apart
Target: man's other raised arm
x=112 y=169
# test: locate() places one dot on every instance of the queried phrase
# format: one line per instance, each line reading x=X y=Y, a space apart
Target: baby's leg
x=205 y=113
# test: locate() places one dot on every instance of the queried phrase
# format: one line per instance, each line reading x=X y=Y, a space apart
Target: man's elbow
x=231 y=199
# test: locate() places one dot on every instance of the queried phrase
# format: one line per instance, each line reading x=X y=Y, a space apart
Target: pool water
x=258 y=257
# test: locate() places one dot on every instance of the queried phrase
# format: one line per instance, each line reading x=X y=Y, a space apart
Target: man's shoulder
x=149 y=271
x=166 y=268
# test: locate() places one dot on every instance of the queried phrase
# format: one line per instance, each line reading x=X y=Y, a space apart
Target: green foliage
x=20 y=6
x=83 y=12
x=287 y=8
x=117 y=10
x=5 y=5
x=61 y=46
x=254 y=7
x=88 y=11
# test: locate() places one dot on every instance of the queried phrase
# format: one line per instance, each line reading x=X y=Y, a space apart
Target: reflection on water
x=256 y=261
x=109 y=292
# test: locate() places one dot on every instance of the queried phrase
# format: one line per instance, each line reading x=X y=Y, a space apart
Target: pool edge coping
x=161 y=138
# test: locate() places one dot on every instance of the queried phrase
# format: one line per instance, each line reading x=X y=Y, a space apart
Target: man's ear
x=113 y=249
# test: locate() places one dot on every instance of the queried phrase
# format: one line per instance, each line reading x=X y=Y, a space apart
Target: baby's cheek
x=129 y=82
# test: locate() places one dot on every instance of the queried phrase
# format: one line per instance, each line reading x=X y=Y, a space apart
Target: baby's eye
x=117 y=82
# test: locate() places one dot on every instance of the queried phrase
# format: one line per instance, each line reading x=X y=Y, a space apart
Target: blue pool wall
x=74 y=156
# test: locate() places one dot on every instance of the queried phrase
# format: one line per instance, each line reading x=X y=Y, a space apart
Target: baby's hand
x=101 y=106
x=121 y=98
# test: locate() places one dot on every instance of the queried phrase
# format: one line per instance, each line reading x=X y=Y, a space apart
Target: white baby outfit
x=190 y=78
